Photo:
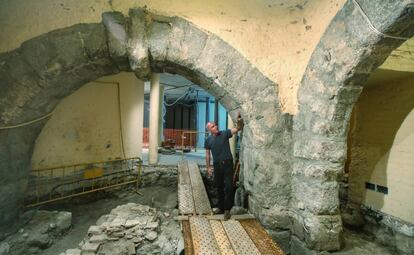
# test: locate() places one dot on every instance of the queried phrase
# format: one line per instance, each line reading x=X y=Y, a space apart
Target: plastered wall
x=276 y=36
x=382 y=148
x=85 y=127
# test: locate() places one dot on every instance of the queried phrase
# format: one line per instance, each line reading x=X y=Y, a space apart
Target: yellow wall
x=382 y=152
x=402 y=58
x=276 y=36
x=85 y=126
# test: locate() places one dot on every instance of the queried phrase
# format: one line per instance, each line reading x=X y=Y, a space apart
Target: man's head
x=212 y=128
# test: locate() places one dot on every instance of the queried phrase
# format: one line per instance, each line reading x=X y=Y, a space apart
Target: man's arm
x=209 y=170
x=234 y=130
x=240 y=125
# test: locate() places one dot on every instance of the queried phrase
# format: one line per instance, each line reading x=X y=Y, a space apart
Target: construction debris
x=130 y=229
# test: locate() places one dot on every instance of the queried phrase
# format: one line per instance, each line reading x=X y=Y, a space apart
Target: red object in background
x=175 y=135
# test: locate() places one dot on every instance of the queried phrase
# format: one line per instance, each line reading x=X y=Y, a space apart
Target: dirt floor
x=87 y=210
x=361 y=244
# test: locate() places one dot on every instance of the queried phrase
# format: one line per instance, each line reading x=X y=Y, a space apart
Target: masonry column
x=232 y=140
x=154 y=121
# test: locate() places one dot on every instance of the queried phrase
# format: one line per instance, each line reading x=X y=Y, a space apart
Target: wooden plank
x=188 y=242
x=203 y=237
x=201 y=202
x=185 y=199
x=239 y=239
x=261 y=238
x=221 y=238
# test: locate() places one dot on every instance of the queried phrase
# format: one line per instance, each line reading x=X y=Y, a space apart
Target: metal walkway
x=207 y=234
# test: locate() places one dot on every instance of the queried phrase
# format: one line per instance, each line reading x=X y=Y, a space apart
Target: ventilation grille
x=376 y=187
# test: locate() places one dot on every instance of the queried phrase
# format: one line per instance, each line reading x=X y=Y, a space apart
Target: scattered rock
x=152 y=225
x=90 y=247
x=41 y=241
x=98 y=238
x=4 y=248
x=180 y=246
x=132 y=223
x=151 y=236
x=94 y=230
x=73 y=252
x=236 y=210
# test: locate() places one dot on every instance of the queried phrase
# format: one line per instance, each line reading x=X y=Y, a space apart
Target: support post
x=154 y=129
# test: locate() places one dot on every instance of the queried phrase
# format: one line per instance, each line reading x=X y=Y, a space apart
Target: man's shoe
x=217 y=211
x=227 y=215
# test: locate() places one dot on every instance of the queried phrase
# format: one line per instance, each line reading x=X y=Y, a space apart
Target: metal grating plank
x=221 y=238
x=203 y=238
x=261 y=238
x=183 y=175
x=185 y=199
x=202 y=204
x=240 y=240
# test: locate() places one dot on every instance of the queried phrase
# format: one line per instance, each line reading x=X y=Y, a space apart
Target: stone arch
x=36 y=76
x=340 y=65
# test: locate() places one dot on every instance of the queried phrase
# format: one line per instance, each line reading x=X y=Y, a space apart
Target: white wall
x=382 y=148
x=85 y=126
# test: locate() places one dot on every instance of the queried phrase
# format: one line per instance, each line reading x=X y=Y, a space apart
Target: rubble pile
x=132 y=229
x=42 y=228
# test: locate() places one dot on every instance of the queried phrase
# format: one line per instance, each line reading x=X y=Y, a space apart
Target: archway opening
x=379 y=154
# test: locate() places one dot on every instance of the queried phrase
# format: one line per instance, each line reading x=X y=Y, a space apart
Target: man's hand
x=209 y=171
x=240 y=122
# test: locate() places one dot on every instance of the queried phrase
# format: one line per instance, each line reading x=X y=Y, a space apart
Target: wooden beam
x=261 y=238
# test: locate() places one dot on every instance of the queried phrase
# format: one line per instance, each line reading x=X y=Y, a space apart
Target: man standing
x=218 y=144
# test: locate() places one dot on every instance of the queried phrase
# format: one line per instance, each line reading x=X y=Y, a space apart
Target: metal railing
x=57 y=183
x=191 y=133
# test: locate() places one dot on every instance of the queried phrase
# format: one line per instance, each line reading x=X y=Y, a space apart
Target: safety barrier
x=57 y=183
x=189 y=138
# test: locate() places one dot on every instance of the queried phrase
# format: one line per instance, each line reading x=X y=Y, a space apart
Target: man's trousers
x=223 y=176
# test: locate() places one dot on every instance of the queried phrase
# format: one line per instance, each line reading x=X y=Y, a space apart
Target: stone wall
x=340 y=65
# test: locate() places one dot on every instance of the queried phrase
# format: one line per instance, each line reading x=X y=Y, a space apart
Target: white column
x=132 y=112
x=232 y=140
x=154 y=119
x=161 y=122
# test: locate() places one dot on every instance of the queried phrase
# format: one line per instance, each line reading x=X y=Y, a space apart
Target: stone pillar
x=232 y=141
x=154 y=119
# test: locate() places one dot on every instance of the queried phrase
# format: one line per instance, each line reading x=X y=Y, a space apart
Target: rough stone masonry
x=290 y=165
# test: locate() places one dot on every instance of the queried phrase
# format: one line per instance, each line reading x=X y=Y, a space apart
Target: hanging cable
x=372 y=26
x=28 y=122
x=178 y=99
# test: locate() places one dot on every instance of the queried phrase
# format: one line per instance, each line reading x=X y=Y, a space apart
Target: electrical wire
x=28 y=122
x=178 y=99
x=372 y=26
